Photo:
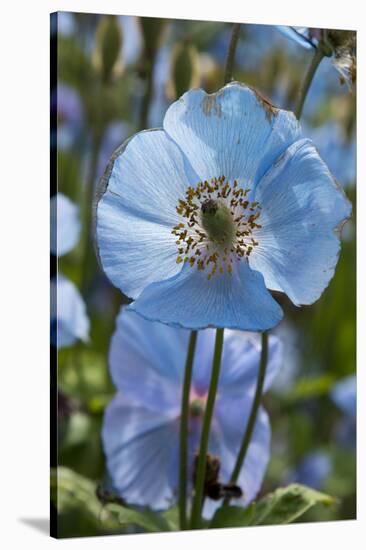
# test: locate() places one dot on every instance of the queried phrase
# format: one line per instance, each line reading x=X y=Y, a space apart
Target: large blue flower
x=197 y=220
x=141 y=424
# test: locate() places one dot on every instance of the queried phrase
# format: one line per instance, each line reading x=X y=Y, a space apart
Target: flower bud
x=108 y=45
x=152 y=31
x=184 y=72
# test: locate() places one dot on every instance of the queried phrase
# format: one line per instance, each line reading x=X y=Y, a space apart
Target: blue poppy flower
x=69 y=319
x=305 y=36
x=198 y=220
x=65 y=224
x=313 y=470
x=141 y=424
x=344 y=395
x=338 y=44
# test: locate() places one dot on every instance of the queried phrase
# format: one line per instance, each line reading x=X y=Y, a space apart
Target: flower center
x=197 y=406
x=218 y=222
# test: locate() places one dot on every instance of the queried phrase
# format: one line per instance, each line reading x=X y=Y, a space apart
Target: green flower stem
x=145 y=106
x=87 y=254
x=201 y=466
x=253 y=413
x=229 y=66
x=314 y=64
x=184 y=420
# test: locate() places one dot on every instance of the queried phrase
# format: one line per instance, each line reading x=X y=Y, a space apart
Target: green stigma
x=218 y=222
x=196 y=407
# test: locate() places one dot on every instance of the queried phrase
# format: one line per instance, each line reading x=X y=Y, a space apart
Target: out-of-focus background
x=116 y=76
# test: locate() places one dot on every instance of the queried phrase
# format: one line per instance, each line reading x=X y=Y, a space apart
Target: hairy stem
x=184 y=420
x=229 y=65
x=201 y=466
x=314 y=64
x=253 y=413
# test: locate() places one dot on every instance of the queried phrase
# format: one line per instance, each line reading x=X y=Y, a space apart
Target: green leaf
x=146 y=519
x=233 y=516
x=287 y=504
x=282 y=506
x=312 y=387
x=70 y=491
x=171 y=516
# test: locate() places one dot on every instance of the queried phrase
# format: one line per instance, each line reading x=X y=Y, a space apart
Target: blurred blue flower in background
x=65 y=224
x=66 y=23
x=192 y=223
x=141 y=424
x=313 y=470
x=70 y=116
x=338 y=153
x=69 y=320
x=344 y=395
x=160 y=101
x=114 y=135
x=132 y=39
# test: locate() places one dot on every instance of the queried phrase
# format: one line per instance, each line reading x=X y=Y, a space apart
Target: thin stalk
x=184 y=420
x=202 y=457
x=145 y=106
x=314 y=64
x=87 y=255
x=253 y=413
x=229 y=65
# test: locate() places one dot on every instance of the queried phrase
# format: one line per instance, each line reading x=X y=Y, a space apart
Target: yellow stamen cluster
x=196 y=245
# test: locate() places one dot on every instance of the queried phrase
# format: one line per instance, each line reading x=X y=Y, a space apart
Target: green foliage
x=83 y=374
x=283 y=506
x=72 y=493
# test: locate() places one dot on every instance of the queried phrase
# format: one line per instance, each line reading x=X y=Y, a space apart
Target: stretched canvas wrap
x=202 y=275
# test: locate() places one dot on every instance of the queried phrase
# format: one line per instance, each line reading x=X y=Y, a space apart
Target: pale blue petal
x=190 y=300
x=232 y=416
x=299 y=35
x=302 y=212
x=344 y=395
x=65 y=224
x=140 y=445
x=137 y=212
x=68 y=313
x=239 y=364
x=232 y=132
x=147 y=361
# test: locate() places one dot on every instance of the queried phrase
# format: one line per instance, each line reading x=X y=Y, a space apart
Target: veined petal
x=302 y=212
x=140 y=445
x=147 y=361
x=240 y=361
x=137 y=211
x=234 y=132
x=232 y=416
x=300 y=35
x=189 y=300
